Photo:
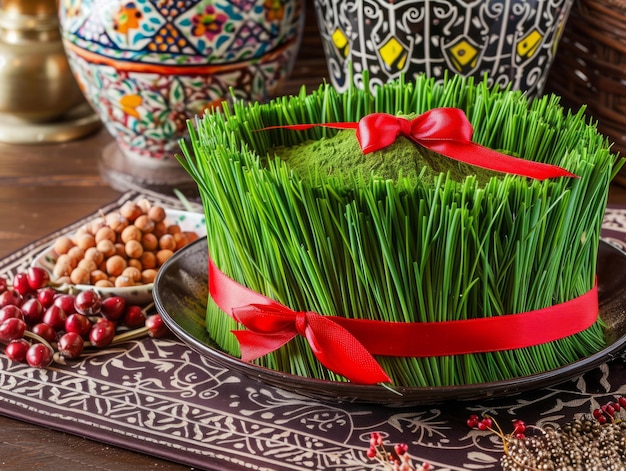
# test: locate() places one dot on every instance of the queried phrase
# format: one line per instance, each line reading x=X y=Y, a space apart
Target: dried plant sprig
x=405 y=250
x=398 y=460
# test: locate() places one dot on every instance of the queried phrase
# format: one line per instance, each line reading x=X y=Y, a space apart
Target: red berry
x=102 y=333
x=37 y=277
x=3 y=284
x=622 y=401
x=485 y=424
x=55 y=317
x=20 y=284
x=519 y=426
x=602 y=419
x=45 y=331
x=156 y=326
x=71 y=345
x=113 y=308
x=46 y=296
x=16 y=349
x=12 y=329
x=472 y=421
x=401 y=449
x=9 y=312
x=78 y=323
x=598 y=413
x=10 y=297
x=87 y=303
x=371 y=452
x=616 y=406
x=39 y=355
x=134 y=317
x=65 y=302
x=33 y=311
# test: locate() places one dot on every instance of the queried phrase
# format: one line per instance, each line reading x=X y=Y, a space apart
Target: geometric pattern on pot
x=146 y=66
x=513 y=42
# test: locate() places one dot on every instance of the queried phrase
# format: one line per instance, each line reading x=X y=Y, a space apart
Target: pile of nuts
x=120 y=249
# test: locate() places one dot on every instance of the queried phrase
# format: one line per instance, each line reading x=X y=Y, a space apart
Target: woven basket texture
x=590 y=65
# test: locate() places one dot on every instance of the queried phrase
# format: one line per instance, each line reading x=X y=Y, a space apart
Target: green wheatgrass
x=342 y=155
x=377 y=246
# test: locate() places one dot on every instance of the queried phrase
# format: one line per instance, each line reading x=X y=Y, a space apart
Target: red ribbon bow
x=270 y=325
x=446 y=131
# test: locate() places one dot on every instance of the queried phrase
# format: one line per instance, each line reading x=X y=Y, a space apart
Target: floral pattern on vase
x=146 y=66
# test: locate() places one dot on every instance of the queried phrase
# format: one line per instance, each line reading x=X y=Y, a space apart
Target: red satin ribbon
x=347 y=346
x=446 y=131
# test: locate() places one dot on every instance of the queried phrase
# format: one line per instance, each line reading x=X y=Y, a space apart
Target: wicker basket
x=590 y=65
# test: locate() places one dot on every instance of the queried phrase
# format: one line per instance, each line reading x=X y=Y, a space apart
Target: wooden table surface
x=45 y=187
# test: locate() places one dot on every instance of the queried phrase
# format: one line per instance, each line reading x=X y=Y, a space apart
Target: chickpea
x=130 y=211
x=69 y=261
x=115 y=265
x=133 y=262
x=62 y=267
x=123 y=282
x=148 y=275
x=97 y=275
x=79 y=276
x=132 y=273
x=133 y=249
x=92 y=253
x=156 y=213
x=167 y=242
x=62 y=245
x=173 y=229
x=150 y=242
x=144 y=223
x=148 y=260
x=116 y=222
x=105 y=233
x=162 y=256
x=85 y=241
x=77 y=253
x=120 y=249
x=87 y=265
x=104 y=284
x=160 y=228
x=106 y=247
x=130 y=233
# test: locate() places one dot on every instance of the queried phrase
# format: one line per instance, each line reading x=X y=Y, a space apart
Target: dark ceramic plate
x=181 y=293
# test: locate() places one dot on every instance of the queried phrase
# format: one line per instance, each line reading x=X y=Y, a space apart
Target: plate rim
x=358 y=393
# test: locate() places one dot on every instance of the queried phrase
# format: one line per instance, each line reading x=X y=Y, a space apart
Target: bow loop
x=270 y=326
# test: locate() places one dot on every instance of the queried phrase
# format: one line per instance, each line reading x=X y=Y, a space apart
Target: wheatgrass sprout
x=410 y=248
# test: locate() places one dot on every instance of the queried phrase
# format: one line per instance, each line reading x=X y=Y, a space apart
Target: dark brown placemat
x=158 y=397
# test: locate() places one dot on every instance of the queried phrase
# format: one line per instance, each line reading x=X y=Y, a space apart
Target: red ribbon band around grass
x=446 y=131
x=346 y=346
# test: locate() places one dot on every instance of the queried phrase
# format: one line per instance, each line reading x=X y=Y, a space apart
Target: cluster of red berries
x=486 y=423
x=609 y=412
x=37 y=321
x=401 y=461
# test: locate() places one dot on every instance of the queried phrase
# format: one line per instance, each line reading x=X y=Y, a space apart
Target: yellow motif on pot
x=341 y=42
x=463 y=56
x=393 y=54
x=529 y=44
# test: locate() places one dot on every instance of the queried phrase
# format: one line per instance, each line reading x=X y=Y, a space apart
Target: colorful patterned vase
x=146 y=66
x=510 y=42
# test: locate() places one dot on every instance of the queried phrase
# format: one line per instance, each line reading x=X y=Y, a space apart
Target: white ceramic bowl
x=140 y=294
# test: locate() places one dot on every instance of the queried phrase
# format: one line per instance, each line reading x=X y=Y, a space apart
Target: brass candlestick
x=40 y=100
